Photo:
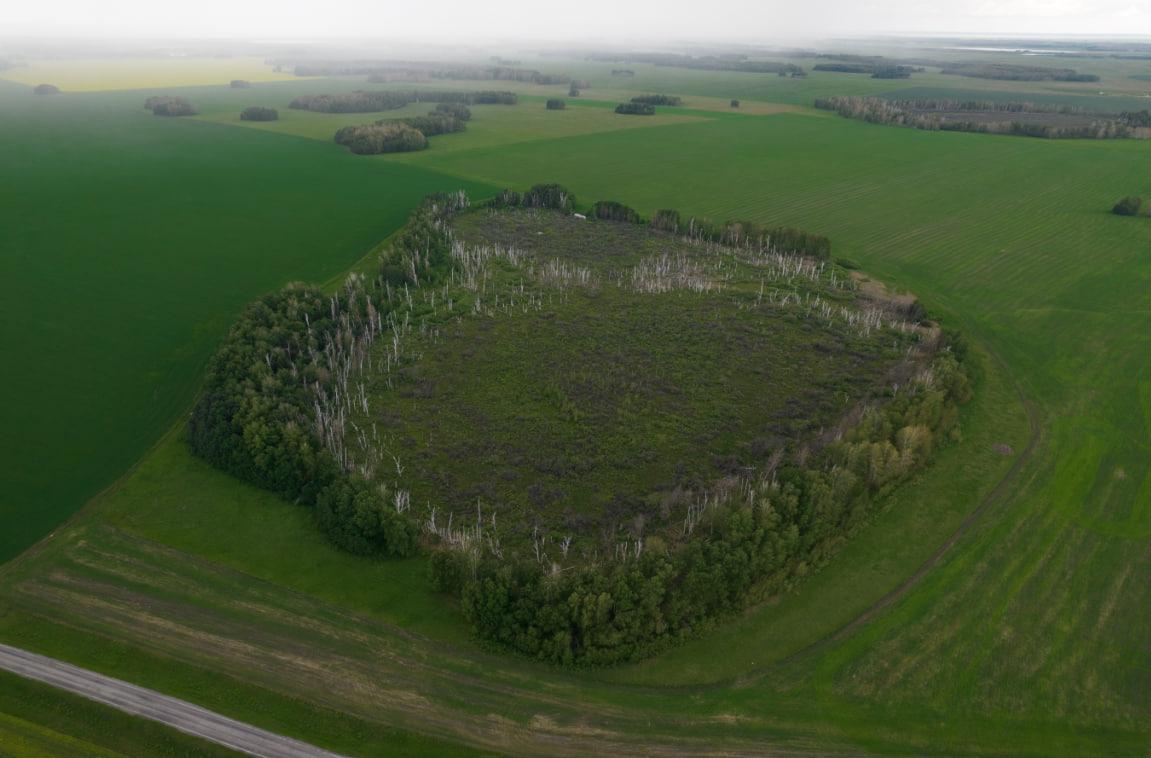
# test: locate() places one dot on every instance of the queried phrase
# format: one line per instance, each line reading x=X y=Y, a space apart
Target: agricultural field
x=149 y=187
x=995 y=603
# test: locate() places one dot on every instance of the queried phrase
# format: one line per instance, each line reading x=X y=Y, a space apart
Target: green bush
x=610 y=210
x=259 y=113
x=385 y=137
x=1128 y=206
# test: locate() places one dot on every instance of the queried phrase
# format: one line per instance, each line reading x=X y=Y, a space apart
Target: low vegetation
x=876 y=70
x=734 y=62
x=994 y=117
x=259 y=113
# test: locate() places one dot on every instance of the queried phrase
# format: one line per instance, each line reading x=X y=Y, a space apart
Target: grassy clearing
x=130 y=243
x=102 y=74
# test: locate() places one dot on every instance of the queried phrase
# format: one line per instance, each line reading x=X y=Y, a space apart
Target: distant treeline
x=945 y=115
x=163 y=105
x=658 y=99
x=635 y=109
x=876 y=70
x=404 y=135
x=1014 y=72
x=707 y=62
x=363 y=101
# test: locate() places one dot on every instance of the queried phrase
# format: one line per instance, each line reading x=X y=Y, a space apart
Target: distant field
x=96 y=74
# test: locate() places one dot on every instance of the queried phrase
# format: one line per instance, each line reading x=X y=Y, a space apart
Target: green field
x=129 y=246
x=1026 y=637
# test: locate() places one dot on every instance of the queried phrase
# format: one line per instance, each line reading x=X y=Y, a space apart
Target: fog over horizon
x=599 y=21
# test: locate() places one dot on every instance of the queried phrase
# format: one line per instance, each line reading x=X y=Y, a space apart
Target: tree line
x=946 y=115
x=255 y=416
x=363 y=101
x=405 y=134
x=259 y=113
x=635 y=109
x=876 y=70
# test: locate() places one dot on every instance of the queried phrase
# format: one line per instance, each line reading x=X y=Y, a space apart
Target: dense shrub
x=384 y=137
x=635 y=109
x=46 y=89
x=946 y=115
x=459 y=110
x=555 y=104
x=1128 y=206
x=610 y=210
x=554 y=196
x=658 y=99
x=259 y=113
x=357 y=516
x=369 y=102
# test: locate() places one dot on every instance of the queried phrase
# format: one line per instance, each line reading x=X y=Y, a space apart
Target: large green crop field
x=997 y=604
x=129 y=244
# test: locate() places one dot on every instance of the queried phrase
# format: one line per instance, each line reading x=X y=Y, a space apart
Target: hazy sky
x=742 y=20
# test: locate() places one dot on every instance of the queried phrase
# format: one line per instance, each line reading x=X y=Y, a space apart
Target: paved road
x=138 y=701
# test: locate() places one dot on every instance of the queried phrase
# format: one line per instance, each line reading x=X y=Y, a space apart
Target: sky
x=734 y=20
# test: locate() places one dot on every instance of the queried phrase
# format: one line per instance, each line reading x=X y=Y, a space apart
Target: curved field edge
x=171 y=506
